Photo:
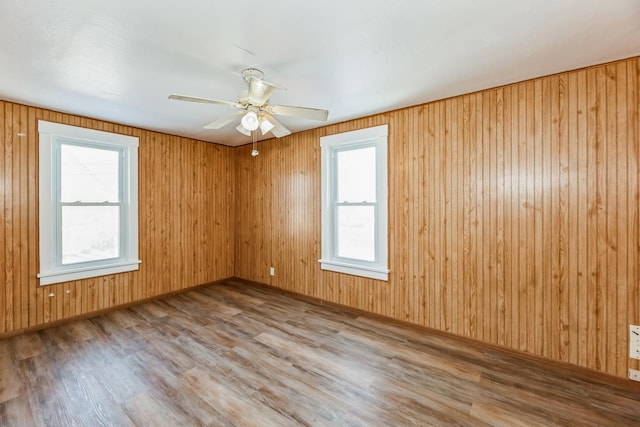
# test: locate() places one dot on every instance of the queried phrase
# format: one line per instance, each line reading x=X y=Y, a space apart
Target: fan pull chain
x=254 y=137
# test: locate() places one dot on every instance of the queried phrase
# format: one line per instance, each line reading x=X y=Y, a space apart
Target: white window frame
x=329 y=145
x=51 y=268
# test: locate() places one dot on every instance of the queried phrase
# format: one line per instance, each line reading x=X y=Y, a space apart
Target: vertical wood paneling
x=572 y=157
x=10 y=137
x=498 y=178
x=186 y=193
x=633 y=199
x=474 y=229
x=508 y=195
x=622 y=178
x=563 y=227
x=514 y=216
x=4 y=287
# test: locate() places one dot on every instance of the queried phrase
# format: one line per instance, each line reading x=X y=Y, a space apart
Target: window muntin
x=354 y=216
x=353 y=200
x=90 y=173
x=88 y=203
x=89 y=206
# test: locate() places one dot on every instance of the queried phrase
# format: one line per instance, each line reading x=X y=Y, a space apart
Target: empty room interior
x=288 y=213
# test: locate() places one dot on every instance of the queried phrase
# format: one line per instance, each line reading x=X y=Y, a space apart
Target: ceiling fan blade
x=278 y=130
x=242 y=130
x=205 y=101
x=302 y=112
x=259 y=91
x=224 y=120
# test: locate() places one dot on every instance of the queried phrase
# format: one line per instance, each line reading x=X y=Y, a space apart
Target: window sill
x=52 y=277
x=355 y=270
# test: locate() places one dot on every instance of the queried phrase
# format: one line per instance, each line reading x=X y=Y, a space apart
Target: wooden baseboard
x=107 y=310
x=594 y=375
x=601 y=377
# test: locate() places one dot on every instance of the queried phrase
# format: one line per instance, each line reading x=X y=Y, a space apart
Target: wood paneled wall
x=186 y=193
x=514 y=216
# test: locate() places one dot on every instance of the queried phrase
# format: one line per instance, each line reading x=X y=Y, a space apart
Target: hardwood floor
x=236 y=354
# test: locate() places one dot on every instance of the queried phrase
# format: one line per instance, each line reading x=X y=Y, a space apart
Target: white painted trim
x=51 y=273
x=355 y=136
x=377 y=136
x=87 y=135
x=50 y=278
x=356 y=270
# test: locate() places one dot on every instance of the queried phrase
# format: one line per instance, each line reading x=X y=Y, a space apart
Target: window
x=88 y=203
x=354 y=203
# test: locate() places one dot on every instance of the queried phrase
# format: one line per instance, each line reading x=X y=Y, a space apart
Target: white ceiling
x=118 y=60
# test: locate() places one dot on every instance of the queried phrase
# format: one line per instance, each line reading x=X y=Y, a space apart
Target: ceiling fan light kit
x=255 y=109
x=242 y=130
x=250 y=121
x=265 y=125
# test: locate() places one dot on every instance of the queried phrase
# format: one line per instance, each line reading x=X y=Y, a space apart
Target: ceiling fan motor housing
x=253 y=105
x=252 y=73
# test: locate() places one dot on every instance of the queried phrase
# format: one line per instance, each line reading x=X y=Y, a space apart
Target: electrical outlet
x=634 y=375
x=272 y=271
x=634 y=342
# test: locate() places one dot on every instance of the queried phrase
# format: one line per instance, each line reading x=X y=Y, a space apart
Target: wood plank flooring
x=238 y=354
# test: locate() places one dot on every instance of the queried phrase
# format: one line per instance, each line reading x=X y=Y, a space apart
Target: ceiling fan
x=254 y=108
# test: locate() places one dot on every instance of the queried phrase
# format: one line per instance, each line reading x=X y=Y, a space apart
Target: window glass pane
x=356 y=233
x=90 y=233
x=356 y=173
x=88 y=174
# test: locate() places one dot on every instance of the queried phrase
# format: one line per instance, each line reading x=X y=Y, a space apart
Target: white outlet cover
x=634 y=374
x=634 y=341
